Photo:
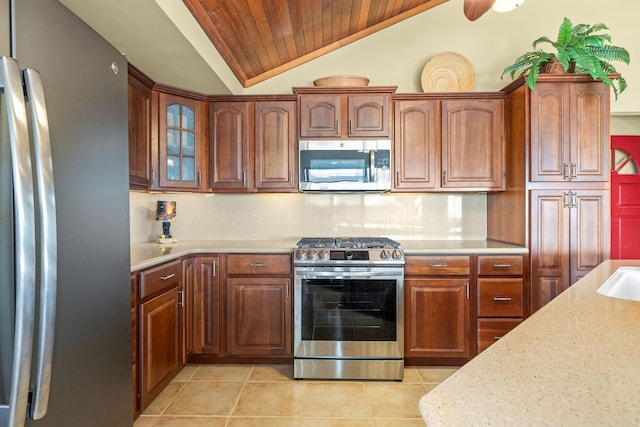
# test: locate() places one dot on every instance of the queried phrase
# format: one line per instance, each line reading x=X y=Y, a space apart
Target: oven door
x=349 y=312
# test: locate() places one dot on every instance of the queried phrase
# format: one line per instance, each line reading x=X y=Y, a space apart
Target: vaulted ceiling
x=259 y=39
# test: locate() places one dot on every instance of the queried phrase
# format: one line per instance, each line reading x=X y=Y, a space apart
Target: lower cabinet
x=501 y=298
x=160 y=319
x=438 y=307
x=570 y=236
x=206 y=305
x=259 y=316
x=134 y=345
x=259 y=305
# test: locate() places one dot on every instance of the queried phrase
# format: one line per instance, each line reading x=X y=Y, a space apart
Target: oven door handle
x=347 y=274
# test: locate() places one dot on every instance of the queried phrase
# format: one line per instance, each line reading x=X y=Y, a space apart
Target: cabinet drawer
x=437 y=266
x=258 y=264
x=500 y=297
x=503 y=265
x=156 y=279
x=491 y=330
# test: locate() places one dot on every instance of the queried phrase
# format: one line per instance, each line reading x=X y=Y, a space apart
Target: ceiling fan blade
x=474 y=9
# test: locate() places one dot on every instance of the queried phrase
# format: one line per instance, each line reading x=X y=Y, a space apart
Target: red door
x=625 y=197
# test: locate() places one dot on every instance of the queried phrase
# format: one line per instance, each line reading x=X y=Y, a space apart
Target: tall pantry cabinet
x=557 y=189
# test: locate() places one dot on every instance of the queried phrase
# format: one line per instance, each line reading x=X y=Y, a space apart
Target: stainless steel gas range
x=348 y=309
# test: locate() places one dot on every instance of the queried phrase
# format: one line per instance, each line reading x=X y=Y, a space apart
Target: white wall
x=282 y=216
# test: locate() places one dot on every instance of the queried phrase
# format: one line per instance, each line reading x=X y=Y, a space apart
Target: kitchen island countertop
x=148 y=254
x=575 y=362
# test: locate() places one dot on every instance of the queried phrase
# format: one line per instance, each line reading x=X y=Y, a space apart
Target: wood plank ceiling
x=262 y=38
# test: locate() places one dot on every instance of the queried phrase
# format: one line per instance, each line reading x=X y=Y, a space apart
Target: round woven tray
x=447 y=72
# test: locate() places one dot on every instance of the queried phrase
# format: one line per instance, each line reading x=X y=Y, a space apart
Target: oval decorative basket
x=341 y=80
x=447 y=72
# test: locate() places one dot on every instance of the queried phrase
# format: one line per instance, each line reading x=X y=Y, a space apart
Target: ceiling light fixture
x=506 y=5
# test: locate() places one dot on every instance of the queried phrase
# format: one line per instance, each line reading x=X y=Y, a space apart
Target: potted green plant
x=580 y=49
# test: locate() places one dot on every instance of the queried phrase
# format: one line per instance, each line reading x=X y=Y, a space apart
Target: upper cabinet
x=472 y=144
x=253 y=145
x=140 y=127
x=449 y=144
x=275 y=151
x=569 y=132
x=353 y=112
x=181 y=139
x=229 y=156
x=416 y=145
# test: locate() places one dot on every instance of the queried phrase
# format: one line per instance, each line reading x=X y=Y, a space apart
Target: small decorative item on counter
x=165 y=212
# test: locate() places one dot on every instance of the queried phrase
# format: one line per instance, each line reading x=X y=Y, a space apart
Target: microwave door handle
x=14 y=412
x=48 y=242
x=372 y=166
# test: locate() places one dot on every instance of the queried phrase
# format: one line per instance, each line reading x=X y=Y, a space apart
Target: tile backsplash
x=220 y=216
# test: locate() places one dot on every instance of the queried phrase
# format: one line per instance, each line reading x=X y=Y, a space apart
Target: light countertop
x=144 y=255
x=455 y=247
x=575 y=362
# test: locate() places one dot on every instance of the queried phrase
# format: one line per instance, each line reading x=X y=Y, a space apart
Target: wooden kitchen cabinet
x=275 y=148
x=229 y=155
x=472 y=144
x=206 y=305
x=438 y=308
x=140 y=129
x=188 y=288
x=181 y=142
x=570 y=236
x=259 y=305
x=134 y=346
x=556 y=200
x=443 y=144
x=501 y=296
x=570 y=132
x=253 y=146
x=416 y=145
x=160 y=310
x=362 y=112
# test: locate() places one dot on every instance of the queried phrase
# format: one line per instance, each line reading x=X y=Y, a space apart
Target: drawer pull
x=497 y=337
x=502 y=298
x=438 y=265
x=257 y=264
x=167 y=277
x=501 y=265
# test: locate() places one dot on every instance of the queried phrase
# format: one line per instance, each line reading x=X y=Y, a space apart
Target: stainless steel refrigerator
x=64 y=222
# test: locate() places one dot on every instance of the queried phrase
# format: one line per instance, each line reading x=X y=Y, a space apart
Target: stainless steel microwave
x=345 y=165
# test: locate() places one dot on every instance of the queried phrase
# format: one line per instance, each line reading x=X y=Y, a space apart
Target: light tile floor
x=268 y=396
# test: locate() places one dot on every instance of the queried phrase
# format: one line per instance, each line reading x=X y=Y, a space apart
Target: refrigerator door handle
x=13 y=414
x=47 y=241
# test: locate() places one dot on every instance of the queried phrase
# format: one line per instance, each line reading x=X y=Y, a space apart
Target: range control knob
x=384 y=254
x=396 y=255
x=324 y=254
x=300 y=254
x=312 y=254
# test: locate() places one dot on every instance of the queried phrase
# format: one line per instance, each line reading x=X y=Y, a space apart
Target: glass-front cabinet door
x=180 y=149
